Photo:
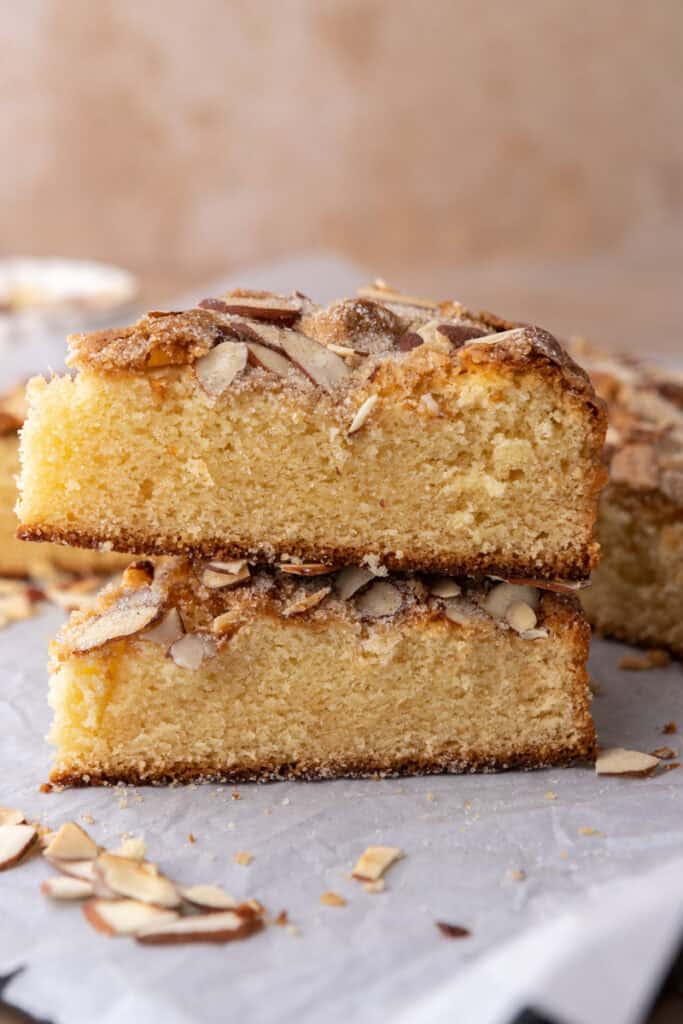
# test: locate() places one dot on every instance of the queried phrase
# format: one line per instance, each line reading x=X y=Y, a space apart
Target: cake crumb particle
x=236 y=795
x=670 y=729
x=88 y=818
x=243 y=857
x=377 y=886
x=564 y=854
x=587 y=830
x=191 y=838
x=332 y=899
x=665 y=753
x=430 y=796
x=282 y=919
x=671 y=766
x=550 y=795
x=45 y=787
x=655 y=658
x=517 y=875
x=293 y=930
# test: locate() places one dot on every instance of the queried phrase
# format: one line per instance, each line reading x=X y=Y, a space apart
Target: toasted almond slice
x=445 y=586
x=63 y=888
x=189 y=652
x=228 y=623
x=81 y=869
x=305 y=569
x=8 y=816
x=208 y=897
x=229 y=568
x=138 y=881
x=133 y=848
x=381 y=292
x=617 y=761
x=520 y=616
x=124 y=618
x=362 y=414
x=323 y=367
x=277 y=309
x=350 y=580
x=269 y=359
x=305 y=603
x=124 y=917
x=71 y=842
x=558 y=586
x=374 y=862
x=500 y=597
x=218 y=579
x=224 y=926
x=218 y=368
x=380 y=600
x=344 y=351
x=167 y=630
x=15 y=841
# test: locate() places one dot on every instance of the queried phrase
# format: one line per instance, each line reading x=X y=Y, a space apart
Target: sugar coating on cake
x=174 y=676
x=380 y=429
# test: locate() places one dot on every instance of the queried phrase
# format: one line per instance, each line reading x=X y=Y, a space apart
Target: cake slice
x=381 y=430
x=19 y=558
x=637 y=590
x=222 y=672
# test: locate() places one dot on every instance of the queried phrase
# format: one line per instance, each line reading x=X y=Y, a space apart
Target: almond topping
x=520 y=616
x=189 y=652
x=167 y=630
x=15 y=841
x=380 y=600
x=305 y=569
x=305 y=603
x=71 y=842
x=138 y=881
x=363 y=413
x=218 y=368
x=380 y=292
x=275 y=309
x=123 y=619
x=350 y=580
x=216 y=578
x=8 y=816
x=234 y=568
x=323 y=367
x=208 y=897
x=617 y=761
x=445 y=586
x=82 y=869
x=374 y=862
x=63 y=888
x=218 y=927
x=500 y=597
x=268 y=359
x=124 y=917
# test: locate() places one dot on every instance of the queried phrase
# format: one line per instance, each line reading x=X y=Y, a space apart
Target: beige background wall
x=527 y=155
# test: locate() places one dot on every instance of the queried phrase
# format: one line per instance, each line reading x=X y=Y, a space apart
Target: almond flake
x=374 y=862
x=225 y=926
x=124 y=917
x=208 y=897
x=445 y=586
x=123 y=619
x=227 y=623
x=15 y=841
x=190 y=650
x=305 y=603
x=305 y=569
x=135 y=880
x=380 y=292
x=350 y=580
x=277 y=309
x=380 y=600
x=167 y=630
x=502 y=595
x=323 y=367
x=216 y=578
x=8 y=816
x=81 y=869
x=269 y=359
x=71 y=842
x=332 y=899
x=63 y=888
x=218 y=368
x=520 y=616
x=343 y=350
x=362 y=414
x=617 y=761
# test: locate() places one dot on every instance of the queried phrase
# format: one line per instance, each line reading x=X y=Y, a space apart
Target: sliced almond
x=305 y=603
x=323 y=367
x=208 y=897
x=123 y=619
x=81 y=869
x=225 y=926
x=8 y=816
x=276 y=309
x=228 y=623
x=229 y=568
x=218 y=368
x=268 y=359
x=445 y=586
x=124 y=917
x=305 y=569
x=557 y=586
x=343 y=350
x=167 y=630
x=362 y=414
x=500 y=597
x=381 y=292
x=71 y=842
x=379 y=600
x=520 y=616
x=219 y=579
x=63 y=888
x=617 y=761
x=189 y=652
x=138 y=881
x=374 y=862
x=350 y=580
x=15 y=842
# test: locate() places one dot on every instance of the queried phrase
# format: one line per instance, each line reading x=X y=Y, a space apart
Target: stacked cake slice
x=378 y=511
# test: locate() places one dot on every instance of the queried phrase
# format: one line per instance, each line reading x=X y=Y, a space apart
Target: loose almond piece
x=617 y=761
x=8 y=816
x=218 y=368
x=323 y=367
x=362 y=414
x=277 y=309
x=138 y=881
x=167 y=630
x=380 y=600
x=189 y=652
x=445 y=587
x=224 y=926
x=81 y=869
x=133 y=848
x=124 y=917
x=218 y=579
x=350 y=580
x=63 y=888
x=15 y=841
x=71 y=842
x=305 y=569
x=208 y=897
x=305 y=603
x=500 y=597
x=374 y=862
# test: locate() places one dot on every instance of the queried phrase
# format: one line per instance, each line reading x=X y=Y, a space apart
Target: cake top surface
x=644 y=443
x=210 y=602
x=331 y=348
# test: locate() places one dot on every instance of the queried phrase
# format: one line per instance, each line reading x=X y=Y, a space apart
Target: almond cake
x=19 y=558
x=637 y=590
x=218 y=671
x=380 y=430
